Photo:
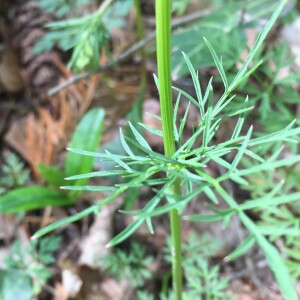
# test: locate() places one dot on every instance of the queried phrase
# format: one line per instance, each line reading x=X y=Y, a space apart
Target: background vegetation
x=72 y=73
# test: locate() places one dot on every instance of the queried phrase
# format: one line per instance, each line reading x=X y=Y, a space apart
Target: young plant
x=193 y=247
x=269 y=89
x=32 y=262
x=224 y=23
x=286 y=219
x=131 y=265
x=185 y=164
x=14 y=174
x=86 y=136
x=86 y=36
x=203 y=281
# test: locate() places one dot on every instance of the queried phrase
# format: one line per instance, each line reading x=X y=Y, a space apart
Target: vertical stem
x=136 y=114
x=103 y=7
x=141 y=36
x=163 y=45
x=175 y=223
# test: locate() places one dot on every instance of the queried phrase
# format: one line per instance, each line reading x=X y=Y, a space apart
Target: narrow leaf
x=241 y=151
x=187 y=95
x=218 y=63
x=88 y=188
x=183 y=121
x=153 y=115
x=127 y=232
x=152 y=129
x=32 y=197
x=266 y=201
x=125 y=145
x=176 y=135
x=274 y=259
x=211 y=195
x=139 y=138
x=97 y=174
x=260 y=39
x=78 y=216
x=204 y=218
x=242 y=249
x=196 y=83
x=86 y=137
x=119 y=162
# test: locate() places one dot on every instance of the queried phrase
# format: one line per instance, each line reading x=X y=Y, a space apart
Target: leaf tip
x=227 y=259
x=34 y=237
x=185 y=218
x=108 y=245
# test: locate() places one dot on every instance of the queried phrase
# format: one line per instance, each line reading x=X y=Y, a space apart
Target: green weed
x=185 y=165
x=19 y=199
x=33 y=261
x=131 y=264
x=14 y=174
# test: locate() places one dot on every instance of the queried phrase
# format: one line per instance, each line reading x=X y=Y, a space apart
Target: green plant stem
x=175 y=223
x=141 y=36
x=163 y=45
x=103 y=7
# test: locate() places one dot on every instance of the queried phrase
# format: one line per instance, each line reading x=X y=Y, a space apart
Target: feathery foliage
x=189 y=165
